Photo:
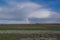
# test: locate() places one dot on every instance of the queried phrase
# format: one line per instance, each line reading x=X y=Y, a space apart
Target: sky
x=29 y=11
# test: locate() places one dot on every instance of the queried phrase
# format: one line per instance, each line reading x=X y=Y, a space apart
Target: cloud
x=25 y=10
x=20 y=10
x=41 y=13
x=12 y=22
x=55 y=15
x=17 y=11
x=44 y=20
x=0 y=9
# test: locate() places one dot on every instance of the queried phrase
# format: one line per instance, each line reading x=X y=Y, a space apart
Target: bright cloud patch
x=40 y=14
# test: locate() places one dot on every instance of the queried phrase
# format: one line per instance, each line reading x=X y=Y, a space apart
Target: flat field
x=29 y=31
x=29 y=26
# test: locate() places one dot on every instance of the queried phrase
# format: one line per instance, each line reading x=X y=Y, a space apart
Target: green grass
x=20 y=36
x=29 y=28
x=6 y=36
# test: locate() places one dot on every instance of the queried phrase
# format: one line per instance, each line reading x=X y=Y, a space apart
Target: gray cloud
x=44 y=20
x=18 y=12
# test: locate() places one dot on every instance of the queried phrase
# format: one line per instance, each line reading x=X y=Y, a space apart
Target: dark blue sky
x=53 y=4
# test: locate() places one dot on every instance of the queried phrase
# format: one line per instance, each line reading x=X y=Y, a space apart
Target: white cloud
x=42 y=13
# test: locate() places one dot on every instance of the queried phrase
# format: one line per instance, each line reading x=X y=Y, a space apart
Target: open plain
x=29 y=31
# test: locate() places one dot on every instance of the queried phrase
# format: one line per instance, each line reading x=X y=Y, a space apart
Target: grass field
x=30 y=29
x=15 y=36
x=18 y=36
x=29 y=26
